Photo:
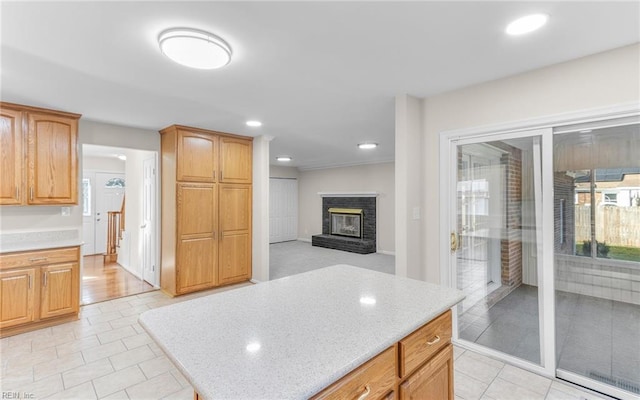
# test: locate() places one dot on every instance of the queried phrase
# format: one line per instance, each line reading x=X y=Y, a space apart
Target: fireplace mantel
x=348 y=194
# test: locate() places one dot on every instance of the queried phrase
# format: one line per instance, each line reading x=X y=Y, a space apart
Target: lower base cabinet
x=434 y=380
x=38 y=289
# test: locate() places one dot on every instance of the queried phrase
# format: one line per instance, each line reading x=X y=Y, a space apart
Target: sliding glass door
x=497 y=242
x=597 y=256
x=545 y=243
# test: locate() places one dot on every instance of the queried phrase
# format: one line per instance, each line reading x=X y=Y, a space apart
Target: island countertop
x=292 y=337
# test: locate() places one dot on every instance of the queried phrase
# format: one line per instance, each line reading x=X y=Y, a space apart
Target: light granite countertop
x=290 y=338
x=39 y=240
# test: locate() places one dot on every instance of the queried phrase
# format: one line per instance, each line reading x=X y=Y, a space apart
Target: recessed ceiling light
x=254 y=123
x=526 y=24
x=367 y=146
x=194 y=48
x=284 y=158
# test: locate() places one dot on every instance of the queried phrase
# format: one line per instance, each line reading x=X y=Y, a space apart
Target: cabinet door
x=197 y=247
x=60 y=290
x=16 y=297
x=11 y=157
x=434 y=380
x=235 y=233
x=52 y=158
x=235 y=160
x=197 y=157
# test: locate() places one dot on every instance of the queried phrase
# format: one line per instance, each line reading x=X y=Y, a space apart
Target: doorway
x=120 y=184
x=561 y=205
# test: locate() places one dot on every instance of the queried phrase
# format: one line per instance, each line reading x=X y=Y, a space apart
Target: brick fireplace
x=354 y=223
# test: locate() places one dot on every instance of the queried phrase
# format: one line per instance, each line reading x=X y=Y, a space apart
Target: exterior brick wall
x=511 y=244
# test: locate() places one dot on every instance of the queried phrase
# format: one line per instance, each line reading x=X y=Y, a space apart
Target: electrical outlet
x=65 y=211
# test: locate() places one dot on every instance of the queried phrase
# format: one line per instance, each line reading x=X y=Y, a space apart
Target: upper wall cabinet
x=11 y=157
x=235 y=160
x=197 y=157
x=39 y=151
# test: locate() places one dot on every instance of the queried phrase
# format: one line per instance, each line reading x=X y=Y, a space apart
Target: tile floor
x=107 y=355
x=596 y=338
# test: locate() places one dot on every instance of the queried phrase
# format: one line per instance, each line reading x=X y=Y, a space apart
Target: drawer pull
x=38 y=259
x=364 y=395
x=434 y=341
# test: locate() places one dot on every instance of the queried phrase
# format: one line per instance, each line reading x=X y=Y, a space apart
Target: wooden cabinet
x=235 y=233
x=373 y=380
x=197 y=157
x=11 y=157
x=418 y=367
x=235 y=160
x=39 y=153
x=17 y=296
x=38 y=289
x=206 y=212
x=434 y=380
x=197 y=224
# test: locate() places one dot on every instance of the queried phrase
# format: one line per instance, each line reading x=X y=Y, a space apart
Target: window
x=86 y=197
x=115 y=183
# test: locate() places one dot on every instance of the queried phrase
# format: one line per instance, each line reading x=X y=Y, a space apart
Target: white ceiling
x=321 y=76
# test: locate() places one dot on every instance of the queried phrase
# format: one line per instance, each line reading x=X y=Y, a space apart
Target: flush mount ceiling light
x=194 y=48
x=526 y=24
x=284 y=158
x=367 y=146
x=254 y=123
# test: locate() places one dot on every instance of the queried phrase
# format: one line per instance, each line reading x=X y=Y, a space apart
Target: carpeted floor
x=290 y=258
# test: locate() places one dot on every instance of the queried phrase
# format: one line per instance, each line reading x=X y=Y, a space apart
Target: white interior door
x=283 y=209
x=148 y=221
x=88 y=213
x=109 y=195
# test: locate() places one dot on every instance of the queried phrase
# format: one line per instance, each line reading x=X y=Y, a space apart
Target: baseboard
x=304 y=240
x=388 y=253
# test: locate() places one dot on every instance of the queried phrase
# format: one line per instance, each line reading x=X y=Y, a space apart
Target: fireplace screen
x=346 y=222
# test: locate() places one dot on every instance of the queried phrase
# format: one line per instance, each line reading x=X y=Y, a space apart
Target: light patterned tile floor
x=107 y=355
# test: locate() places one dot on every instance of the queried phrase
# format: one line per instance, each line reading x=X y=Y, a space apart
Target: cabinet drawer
x=40 y=257
x=376 y=377
x=424 y=343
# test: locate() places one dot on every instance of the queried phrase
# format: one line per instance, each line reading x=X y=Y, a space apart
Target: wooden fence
x=616 y=226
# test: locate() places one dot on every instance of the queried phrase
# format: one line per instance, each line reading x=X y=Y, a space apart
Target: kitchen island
x=293 y=337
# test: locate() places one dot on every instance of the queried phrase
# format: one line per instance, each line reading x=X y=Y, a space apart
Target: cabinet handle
x=434 y=341
x=31 y=193
x=44 y=279
x=29 y=281
x=220 y=176
x=38 y=259
x=364 y=395
x=17 y=193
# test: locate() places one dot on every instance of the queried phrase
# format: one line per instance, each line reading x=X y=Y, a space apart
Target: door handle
x=143 y=226
x=454 y=242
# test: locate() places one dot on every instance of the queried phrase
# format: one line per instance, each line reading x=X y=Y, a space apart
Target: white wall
x=361 y=178
x=596 y=81
x=277 y=171
x=108 y=164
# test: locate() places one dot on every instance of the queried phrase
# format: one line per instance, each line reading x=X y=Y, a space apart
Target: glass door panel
x=597 y=258
x=496 y=264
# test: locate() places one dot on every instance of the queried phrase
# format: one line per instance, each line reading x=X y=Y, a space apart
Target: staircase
x=115 y=230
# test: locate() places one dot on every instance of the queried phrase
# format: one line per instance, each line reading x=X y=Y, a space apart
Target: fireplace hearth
x=349 y=224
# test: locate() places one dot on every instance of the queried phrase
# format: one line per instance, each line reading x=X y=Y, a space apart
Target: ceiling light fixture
x=284 y=158
x=254 y=123
x=526 y=24
x=194 y=48
x=367 y=146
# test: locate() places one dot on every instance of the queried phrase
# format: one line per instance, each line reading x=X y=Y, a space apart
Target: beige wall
x=110 y=164
x=596 y=81
x=363 y=178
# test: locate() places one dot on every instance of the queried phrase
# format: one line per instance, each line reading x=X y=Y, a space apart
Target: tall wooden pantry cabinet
x=206 y=209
